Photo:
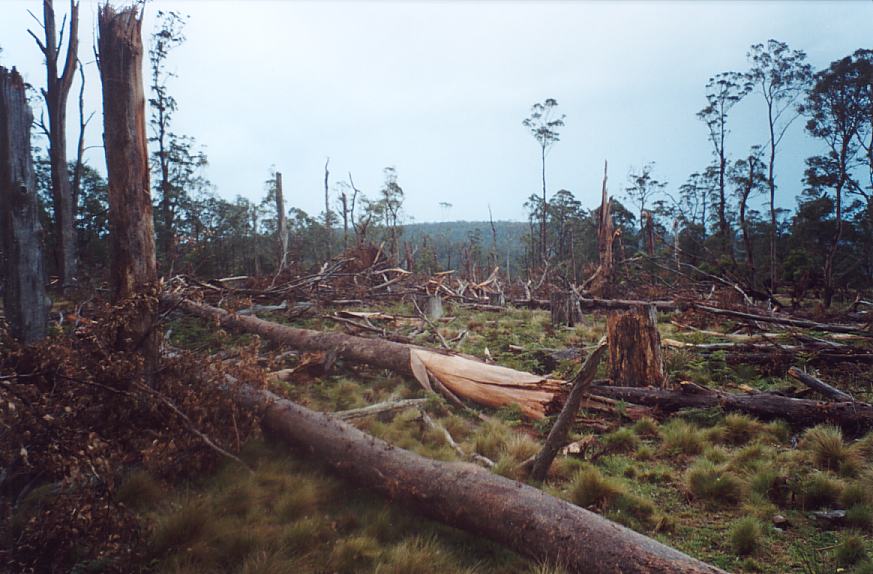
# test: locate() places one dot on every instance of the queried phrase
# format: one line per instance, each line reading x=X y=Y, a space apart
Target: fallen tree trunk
x=518 y=516
x=819 y=385
x=488 y=385
x=802 y=412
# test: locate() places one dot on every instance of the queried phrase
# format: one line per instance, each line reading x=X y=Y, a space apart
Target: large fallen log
x=466 y=377
x=850 y=415
x=465 y=496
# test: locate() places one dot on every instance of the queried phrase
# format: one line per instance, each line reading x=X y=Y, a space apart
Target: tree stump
x=565 y=312
x=431 y=306
x=635 y=348
x=497 y=298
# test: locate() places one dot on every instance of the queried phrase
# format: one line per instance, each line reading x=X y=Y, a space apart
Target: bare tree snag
x=558 y=435
x=852 y=416
x=602 y=284
x=563 y=308
x=819 y=385
x=635 y=348
x=55 y=96
x=465 y=496
x=130 y=205
x=25 y=302
x=281 y=223
x=487 y=385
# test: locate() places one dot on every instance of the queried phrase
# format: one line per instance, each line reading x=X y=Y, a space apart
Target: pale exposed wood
x=379 y=408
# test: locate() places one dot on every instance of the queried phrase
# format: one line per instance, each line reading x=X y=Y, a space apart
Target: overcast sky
x=439 y=90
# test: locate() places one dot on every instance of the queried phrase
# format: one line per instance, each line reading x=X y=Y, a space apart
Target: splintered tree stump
x=565 y=312
x=635 y=348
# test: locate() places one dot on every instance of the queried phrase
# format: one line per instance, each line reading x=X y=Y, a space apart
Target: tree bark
x=130 y=206
x=25 y=302
x=635 y=348
x=563 y=309
x=55 y=96
x=465 y=496
x=602 y=284
x=281 y=224
x=852 y=416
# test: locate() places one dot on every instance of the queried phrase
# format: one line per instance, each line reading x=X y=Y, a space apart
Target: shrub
x=680 y=437
x=706 y=481
x=745 y=536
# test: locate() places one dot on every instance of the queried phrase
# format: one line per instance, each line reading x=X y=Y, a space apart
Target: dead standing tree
x=130 y=206
x=634 y=342
x=55 y=96
x=281 y=223
x=25 y=302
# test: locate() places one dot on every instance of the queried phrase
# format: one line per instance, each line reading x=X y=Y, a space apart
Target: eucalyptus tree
x=543 y=124
x=723 y=92
x=642 y=189
x=748 y=177
x=58 y=84
x=838 y=111
x=780 y=76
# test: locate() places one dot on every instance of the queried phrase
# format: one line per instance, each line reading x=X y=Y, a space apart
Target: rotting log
x=133 y=269
x=819 y=385
x=25 y=301
x=852 y=416
x=465 y=496
x=487 y=385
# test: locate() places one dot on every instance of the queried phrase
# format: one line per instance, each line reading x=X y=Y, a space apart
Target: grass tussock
x=713 y=484
x=646 y=427
x=819 y=490
x=679 y=437
x=140 y=491
x=746 y=536
x=591 y=489
x=621 y=440
x=851 y=551
x=828 y=451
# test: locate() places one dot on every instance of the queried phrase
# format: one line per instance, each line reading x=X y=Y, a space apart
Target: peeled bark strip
x=465 y=496
x=130 y=204
x=25 y=302
x=852 y=416
x=635 y=348
x=488 y=385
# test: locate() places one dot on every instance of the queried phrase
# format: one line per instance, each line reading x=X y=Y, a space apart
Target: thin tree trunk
x=281 y=224
x=130 y=206
x=543 y=233
x=55 y=95
x=25 y=302
x=558 y=434
x=771 y=182
x=327 y=218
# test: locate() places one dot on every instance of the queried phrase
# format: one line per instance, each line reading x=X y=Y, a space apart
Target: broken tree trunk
x=25 y=302
x=563 y=308
x=819 y=385
x=130 y=205
x=487 y=385
x=635 y=348
x=851 y=416
x=465 y=496
x=558 y=434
